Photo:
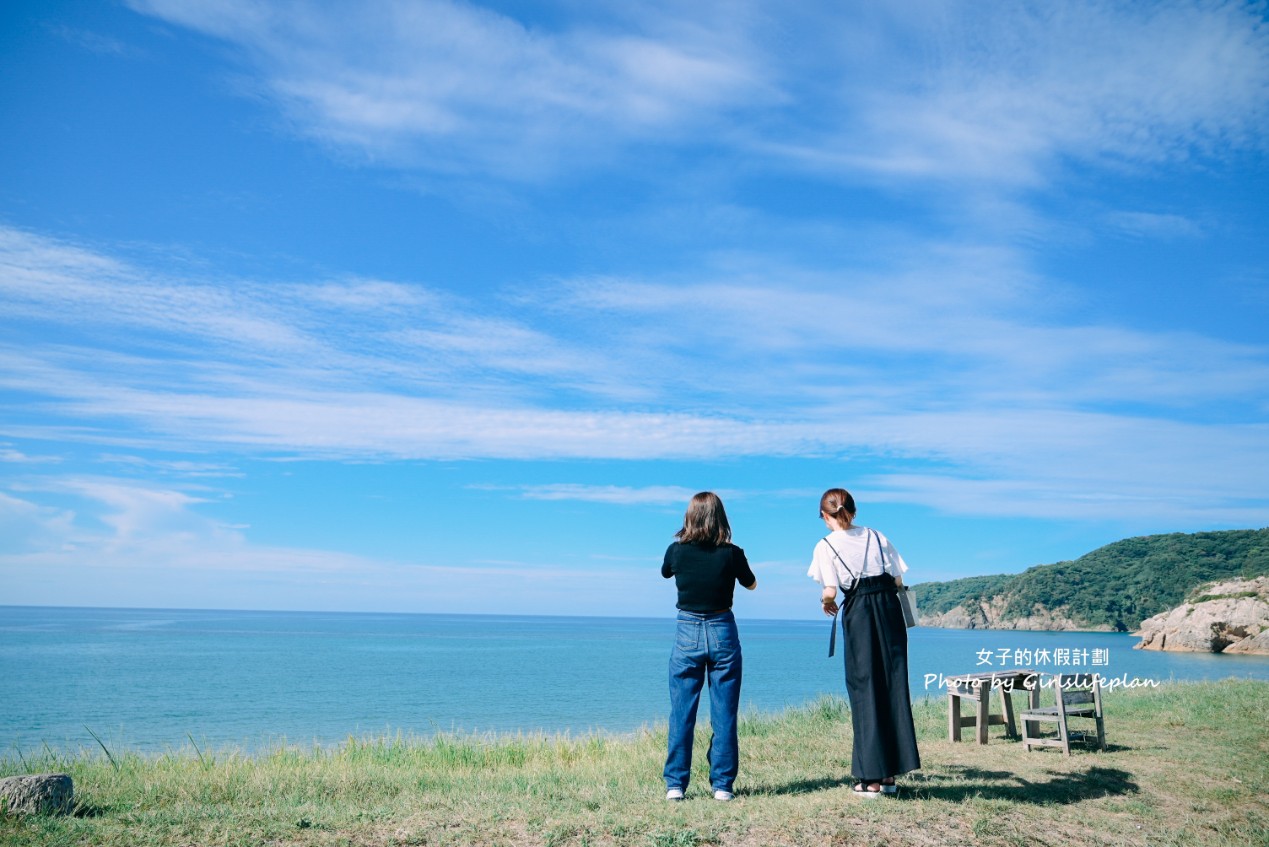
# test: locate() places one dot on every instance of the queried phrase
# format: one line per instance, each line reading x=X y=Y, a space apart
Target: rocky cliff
x=1223 y=617
x=991 y=614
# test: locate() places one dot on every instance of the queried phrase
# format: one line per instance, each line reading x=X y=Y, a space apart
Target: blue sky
x=450 y=307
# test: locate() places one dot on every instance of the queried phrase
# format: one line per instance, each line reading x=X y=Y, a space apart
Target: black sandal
x=863 y=790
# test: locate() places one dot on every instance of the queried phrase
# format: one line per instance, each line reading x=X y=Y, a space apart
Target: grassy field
x=1187 y=764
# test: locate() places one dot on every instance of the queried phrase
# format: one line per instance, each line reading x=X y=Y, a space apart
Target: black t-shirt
x=706 y=575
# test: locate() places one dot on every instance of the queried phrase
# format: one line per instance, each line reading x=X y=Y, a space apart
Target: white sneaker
x=720 y=794
x=674 y=794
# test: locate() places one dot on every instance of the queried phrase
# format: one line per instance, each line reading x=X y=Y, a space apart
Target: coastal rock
x=955 y=618
x=1223 y=617
x=990 y=614
x=1257 y=644
x=47 y=794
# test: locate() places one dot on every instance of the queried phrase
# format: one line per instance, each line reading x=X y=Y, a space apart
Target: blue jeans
x=704 y=643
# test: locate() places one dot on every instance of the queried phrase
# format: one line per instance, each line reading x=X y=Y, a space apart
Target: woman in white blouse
x=863 y=564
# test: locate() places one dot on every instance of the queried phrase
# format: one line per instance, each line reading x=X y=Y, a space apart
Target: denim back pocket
x=689 y=635
x=723 y=637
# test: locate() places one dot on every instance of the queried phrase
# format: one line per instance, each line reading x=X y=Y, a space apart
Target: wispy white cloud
x=1154 y=224
x=173 y=467
x=620 y=495
x=13 y=456
x=449 y=86
x=130 y=542
x=1075 y=465
x=209 y=330
x=950 y=362
x=94 y=42
x=1003 y=95
x=995 y=95
x=26 y=525
x=961 y=328
x=1179 y=504
x=133 y=525
x=775 y=332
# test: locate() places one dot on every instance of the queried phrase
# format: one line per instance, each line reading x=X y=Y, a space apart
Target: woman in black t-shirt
x=706 y=567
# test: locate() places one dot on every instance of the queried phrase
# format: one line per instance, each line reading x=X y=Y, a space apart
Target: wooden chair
x=1078 y=696
x=977 y=688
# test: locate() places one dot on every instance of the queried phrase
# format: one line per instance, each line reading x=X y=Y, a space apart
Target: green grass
x=1187 y=764
x=1239 y=595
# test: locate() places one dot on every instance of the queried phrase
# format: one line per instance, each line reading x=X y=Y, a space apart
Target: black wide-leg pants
x=876 y=653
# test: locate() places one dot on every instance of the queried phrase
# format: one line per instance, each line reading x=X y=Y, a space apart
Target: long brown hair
x=705 y=521
x=837 y=503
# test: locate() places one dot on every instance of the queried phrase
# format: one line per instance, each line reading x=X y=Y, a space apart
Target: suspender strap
x=853 y=576
x=854 y=580
x=881 y=551
x=854 y=583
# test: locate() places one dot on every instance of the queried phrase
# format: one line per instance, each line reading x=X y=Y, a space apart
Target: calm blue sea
x=151 y=680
